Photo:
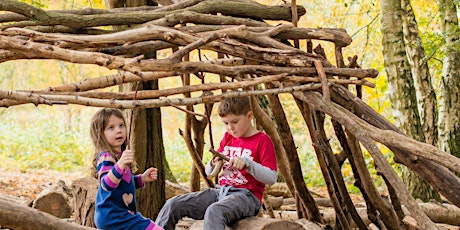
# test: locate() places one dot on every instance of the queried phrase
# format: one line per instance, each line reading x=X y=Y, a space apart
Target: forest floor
x=24 y=186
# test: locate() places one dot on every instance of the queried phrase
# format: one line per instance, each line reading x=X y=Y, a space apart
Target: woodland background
x=57 y=137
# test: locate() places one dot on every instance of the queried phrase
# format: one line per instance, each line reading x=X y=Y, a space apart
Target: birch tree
x=401 y=84
x=425 y=94
x=449 y=93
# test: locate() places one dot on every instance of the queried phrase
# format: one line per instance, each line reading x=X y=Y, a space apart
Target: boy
x=252 y=164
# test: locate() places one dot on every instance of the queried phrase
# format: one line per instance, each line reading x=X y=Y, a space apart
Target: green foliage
x=37 y=3
x=310 y=167
x=44 y=142
x=178 y=158
x=65 y=4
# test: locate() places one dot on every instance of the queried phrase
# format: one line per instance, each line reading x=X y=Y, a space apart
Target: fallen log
x=442 y=213
x=55 y=200
x=173 y=189
x=84 y=193
x=306 y=224
x=275 y=202
x=438 y=213
x=16 y=200
x=253 y=223
x=289 y=203
x=14 y=216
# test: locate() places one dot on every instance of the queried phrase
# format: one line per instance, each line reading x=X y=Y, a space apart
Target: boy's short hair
x=234 y=105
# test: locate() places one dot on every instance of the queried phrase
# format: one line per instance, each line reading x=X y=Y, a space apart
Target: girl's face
x=238 y=125
x=115 y=132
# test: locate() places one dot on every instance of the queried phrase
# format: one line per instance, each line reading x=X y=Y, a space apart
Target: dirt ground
x=24 y=186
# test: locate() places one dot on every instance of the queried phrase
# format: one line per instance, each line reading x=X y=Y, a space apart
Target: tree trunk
x=400 y=82
x=147 y=142
x=449 y=100
x=194 y=136
x=421 y=74
x=426 y=98
x=84 y=198
x=401 y=86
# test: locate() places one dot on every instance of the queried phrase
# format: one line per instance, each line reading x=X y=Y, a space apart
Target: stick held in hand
x=217 y=154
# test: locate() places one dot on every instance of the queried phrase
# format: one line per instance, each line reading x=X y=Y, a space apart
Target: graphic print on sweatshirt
x=230 y=175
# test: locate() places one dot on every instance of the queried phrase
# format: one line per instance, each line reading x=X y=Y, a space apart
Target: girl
x=113 y=166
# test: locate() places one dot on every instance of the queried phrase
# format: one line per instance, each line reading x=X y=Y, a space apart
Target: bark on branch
x=229 y=8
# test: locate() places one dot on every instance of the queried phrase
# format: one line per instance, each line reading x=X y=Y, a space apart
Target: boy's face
x=238 y=125
x=115 y=132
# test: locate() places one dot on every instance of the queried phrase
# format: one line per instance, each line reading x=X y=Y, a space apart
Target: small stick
x=216 y=170
x=324 y=85
x=217 y=154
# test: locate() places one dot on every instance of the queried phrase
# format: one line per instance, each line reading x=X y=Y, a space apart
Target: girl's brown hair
x=98 y=124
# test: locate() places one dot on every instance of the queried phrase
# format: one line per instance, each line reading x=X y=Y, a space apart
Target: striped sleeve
x=138 y=181
x=108 y=171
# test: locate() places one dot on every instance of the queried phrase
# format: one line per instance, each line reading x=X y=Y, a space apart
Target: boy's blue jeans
x=217 y=206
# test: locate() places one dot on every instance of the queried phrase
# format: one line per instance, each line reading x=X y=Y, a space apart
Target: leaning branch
x=351 y=122
x=149 y=103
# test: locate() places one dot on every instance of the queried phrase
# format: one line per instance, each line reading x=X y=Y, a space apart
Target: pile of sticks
x=252 y=48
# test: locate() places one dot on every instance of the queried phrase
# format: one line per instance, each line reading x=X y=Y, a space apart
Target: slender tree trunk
x=449 y=100
x=401 y=86
x=421 y=74
x=400 y=83
x=147 y=143
x=426 y=96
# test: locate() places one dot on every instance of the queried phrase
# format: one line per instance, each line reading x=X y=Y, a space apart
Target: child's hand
x=127 y=157
x=149 y=175
x=237 y=162
x=214 y=161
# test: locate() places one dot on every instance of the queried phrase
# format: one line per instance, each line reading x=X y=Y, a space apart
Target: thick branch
x=150 y=103
x=171 y=20
x=149 y=94
x=230 y=8
x=15 y=17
